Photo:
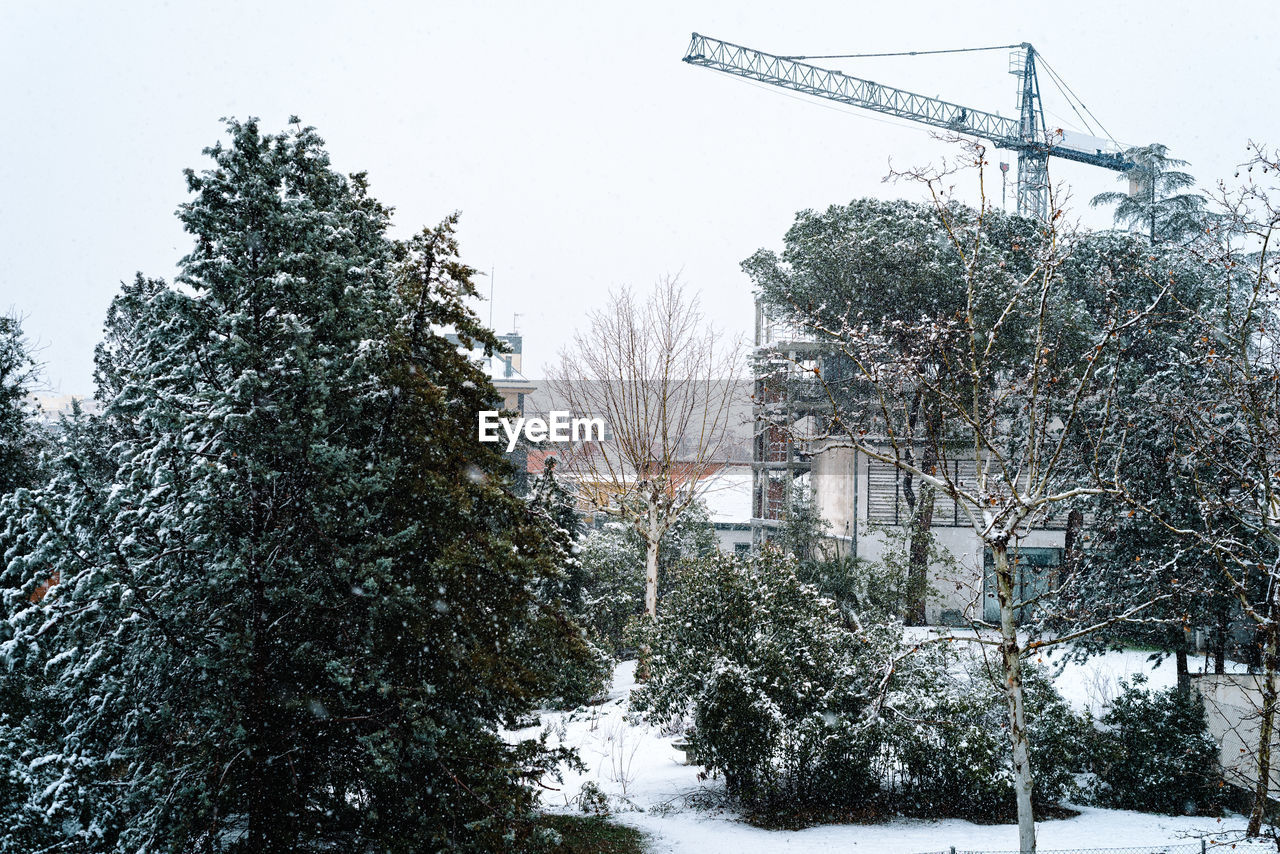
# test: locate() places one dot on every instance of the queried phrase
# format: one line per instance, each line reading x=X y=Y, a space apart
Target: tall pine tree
x=19 y=436
x=296 y=596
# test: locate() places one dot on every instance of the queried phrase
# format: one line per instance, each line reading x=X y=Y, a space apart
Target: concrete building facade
x=861 y=500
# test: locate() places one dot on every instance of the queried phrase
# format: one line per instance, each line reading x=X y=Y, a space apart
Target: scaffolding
x=783 y=400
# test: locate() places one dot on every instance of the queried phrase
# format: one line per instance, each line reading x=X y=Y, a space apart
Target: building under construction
x=862 y=500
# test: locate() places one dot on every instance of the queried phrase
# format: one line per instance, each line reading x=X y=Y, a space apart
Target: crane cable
x=1063 y=88
x=903 y=53
x=1067 y=93
x=1072 y=99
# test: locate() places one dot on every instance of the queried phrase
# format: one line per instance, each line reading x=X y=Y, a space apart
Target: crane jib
x=802 y=77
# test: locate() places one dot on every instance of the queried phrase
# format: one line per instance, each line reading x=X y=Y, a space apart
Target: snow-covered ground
x=649 y=788
x=1095 y=682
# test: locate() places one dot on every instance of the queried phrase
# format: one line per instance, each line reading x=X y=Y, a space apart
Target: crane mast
x=1033 y=162
x=1027 y=135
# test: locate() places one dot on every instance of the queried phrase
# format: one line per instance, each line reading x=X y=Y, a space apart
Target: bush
x=614 y=591
x=581 y=679
x=1060 y=737
x=788 y=703
x=613 y=560
x=947 y=749
x=1154 y=753
x=776 y=687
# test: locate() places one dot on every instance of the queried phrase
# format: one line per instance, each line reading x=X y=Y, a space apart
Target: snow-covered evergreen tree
x=1155 y=203
x=22 y=442
x=19 y=436
x=1228 y=427
x=884 y=266
x=295 y=596
x=554 y=505
x=613 y=559
x=1126 y=556
x=583 y=675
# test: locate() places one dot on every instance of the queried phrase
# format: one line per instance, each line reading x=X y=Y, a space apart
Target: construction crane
x=1026 y=134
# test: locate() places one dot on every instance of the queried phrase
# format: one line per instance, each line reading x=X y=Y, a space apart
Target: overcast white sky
x=582 y=153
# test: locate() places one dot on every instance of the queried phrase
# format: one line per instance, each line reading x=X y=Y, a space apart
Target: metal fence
x=1203 y=846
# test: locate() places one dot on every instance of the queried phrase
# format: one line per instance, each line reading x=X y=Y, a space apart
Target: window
x=1035 y=572
x=887 y=505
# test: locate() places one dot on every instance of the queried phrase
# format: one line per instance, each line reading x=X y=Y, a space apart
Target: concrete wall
x=733 y=538
x=835 y=490
x=1231 y=703
x=957 y=593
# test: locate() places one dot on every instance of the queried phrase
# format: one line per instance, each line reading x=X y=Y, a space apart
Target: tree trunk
x=1180 y=643
x=1011 y=662
x=1265 y=733
x=1184 y=673
x=918 y=558
x=919 y=530
x=651 y=541
x=1073 y=543
x=1220 y=643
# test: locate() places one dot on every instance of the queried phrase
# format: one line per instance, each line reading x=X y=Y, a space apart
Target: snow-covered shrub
x=1154 y=753
x=776 y=686
x=946 y=745
x=582 y=679
x=581 y=668
x=613 y=558
x=789 y=701
x=592 y=800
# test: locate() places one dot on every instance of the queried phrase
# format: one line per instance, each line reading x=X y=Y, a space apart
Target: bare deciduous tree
x=663 y=380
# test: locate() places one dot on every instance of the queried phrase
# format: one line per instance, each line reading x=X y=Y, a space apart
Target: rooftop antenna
x=515 y=321
x=491 y=297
